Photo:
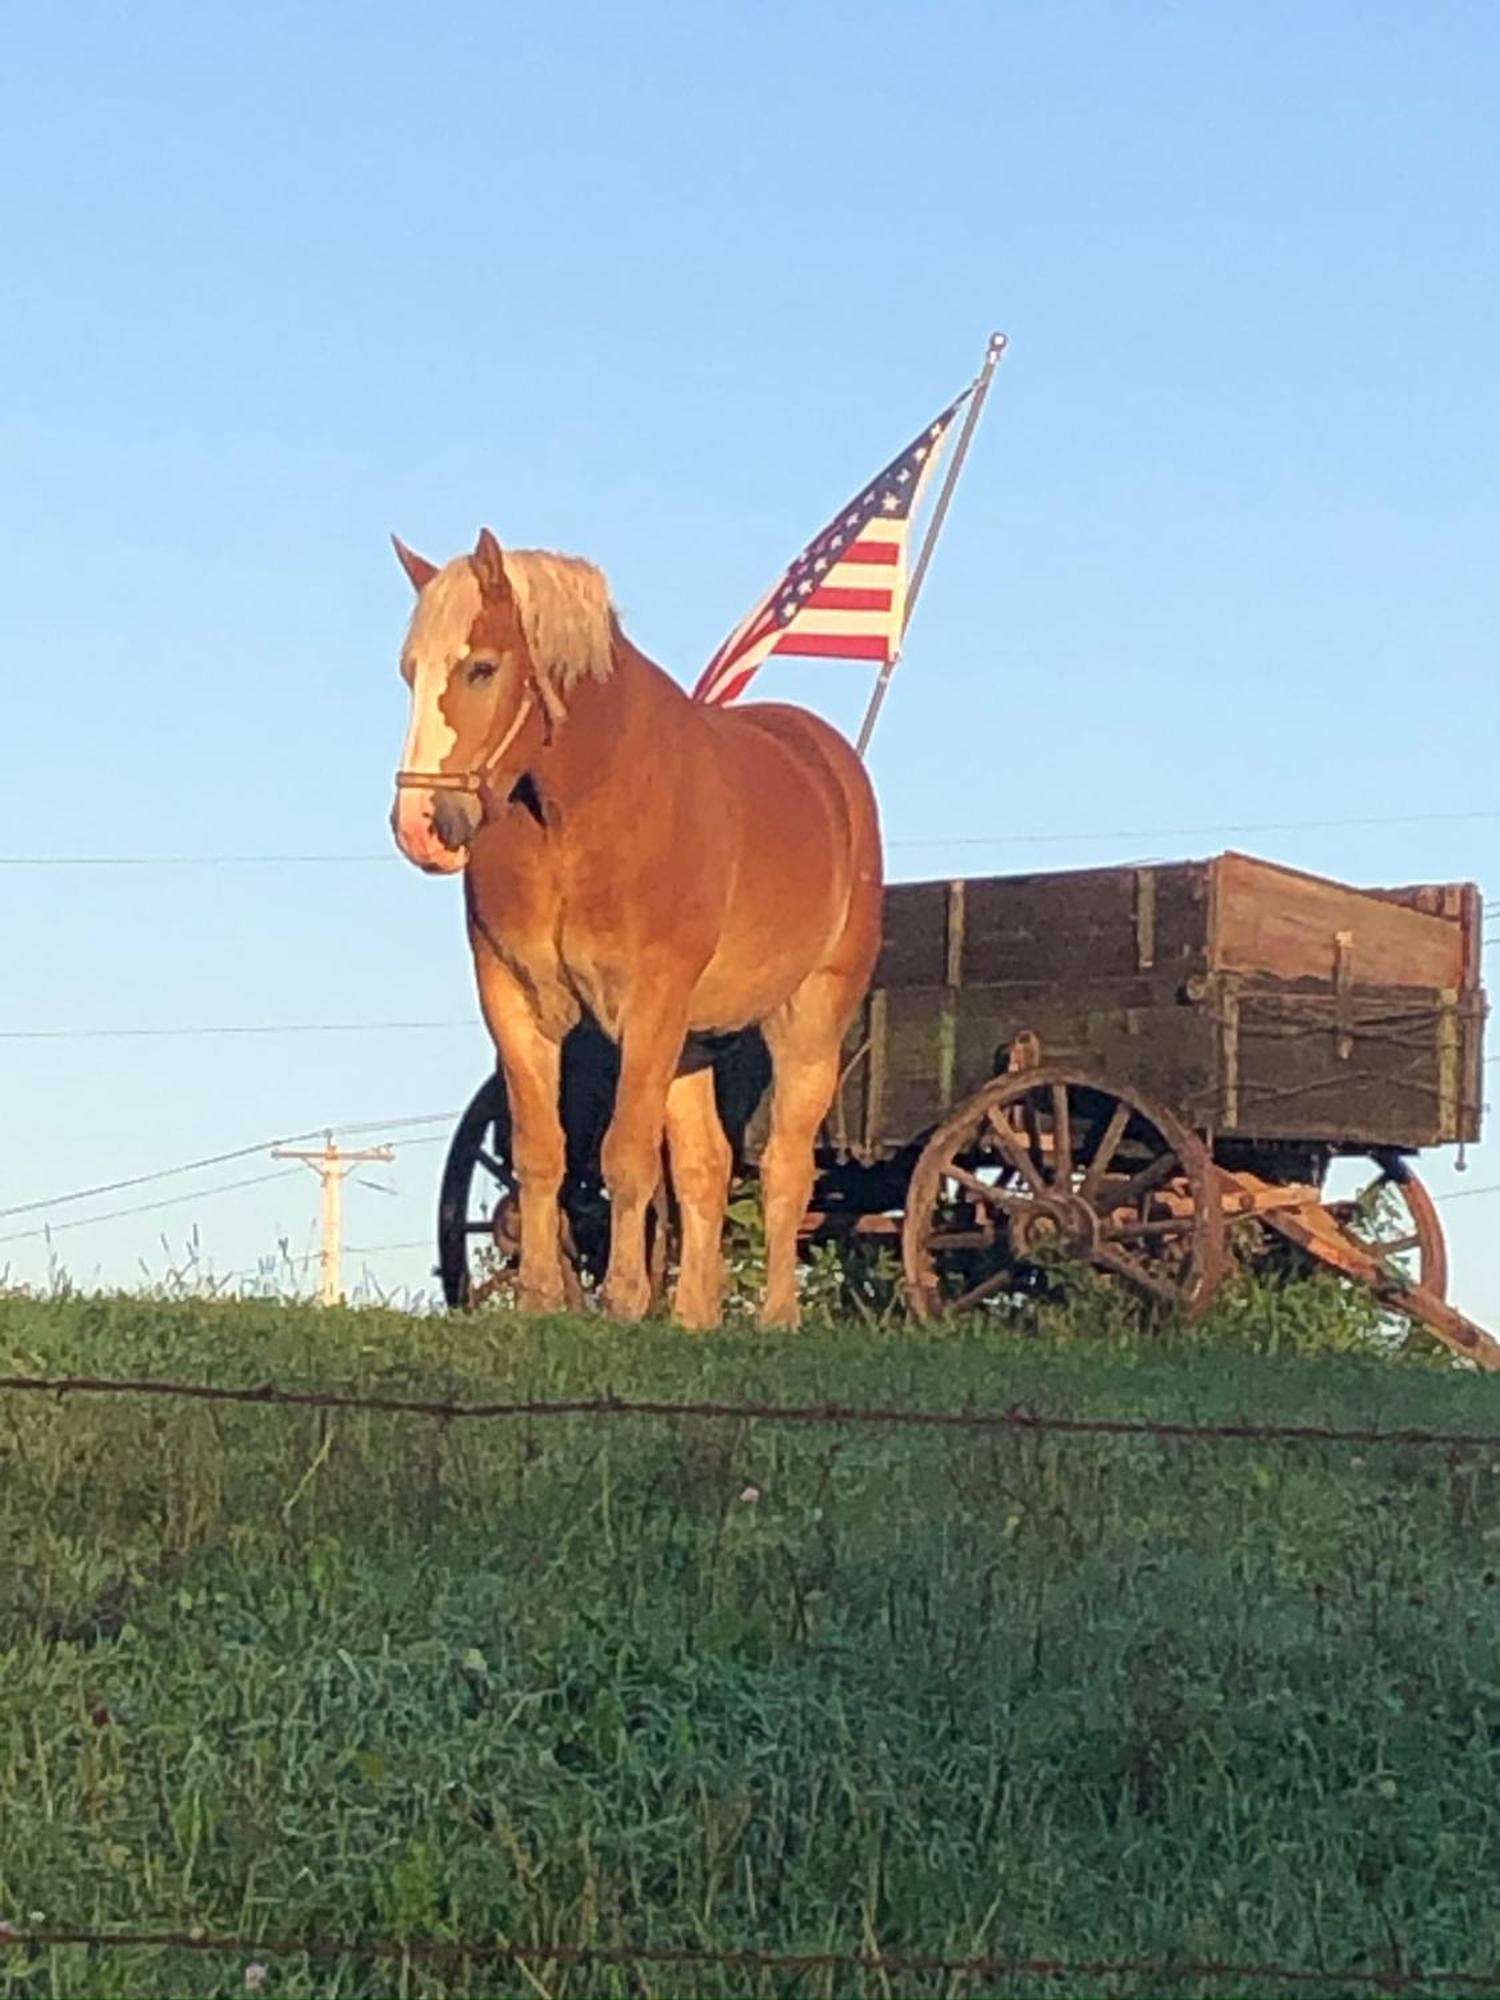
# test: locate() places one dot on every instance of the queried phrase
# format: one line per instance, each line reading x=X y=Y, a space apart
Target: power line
x=262 y=1147
x=197 y=1194
x=1194 y=832
x=1012 y=839
x=149 y=1207
x=252 y=1028
x=189 y=860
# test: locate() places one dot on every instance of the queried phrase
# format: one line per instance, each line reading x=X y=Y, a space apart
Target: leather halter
x=472 y=780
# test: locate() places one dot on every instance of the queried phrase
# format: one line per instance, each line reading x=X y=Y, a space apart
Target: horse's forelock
x=444 y=615
x=563 y=604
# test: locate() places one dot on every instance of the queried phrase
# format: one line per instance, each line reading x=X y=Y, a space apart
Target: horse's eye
x=482 y=670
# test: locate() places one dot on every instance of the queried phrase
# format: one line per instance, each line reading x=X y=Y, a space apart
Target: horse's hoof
x=695 y=1315
x=627 y=1304
x=777 y=1316
x=541 y=1301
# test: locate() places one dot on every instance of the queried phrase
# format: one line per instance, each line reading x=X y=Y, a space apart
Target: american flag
x=845 y=595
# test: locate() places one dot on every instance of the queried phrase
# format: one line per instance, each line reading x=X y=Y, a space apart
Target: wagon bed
x=1272 y=1010
x=1130 y=1066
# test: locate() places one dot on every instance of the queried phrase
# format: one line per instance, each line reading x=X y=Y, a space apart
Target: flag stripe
x=844 y=597
x=838 y=597
x=834 y=645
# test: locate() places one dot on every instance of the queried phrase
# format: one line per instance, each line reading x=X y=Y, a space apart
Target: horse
x=668 y=870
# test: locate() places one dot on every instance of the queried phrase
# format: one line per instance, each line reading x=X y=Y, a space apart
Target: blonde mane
x=566 y=614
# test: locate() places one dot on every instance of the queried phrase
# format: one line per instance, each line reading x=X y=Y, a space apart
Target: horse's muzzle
x=433 y=829
x=455 y=818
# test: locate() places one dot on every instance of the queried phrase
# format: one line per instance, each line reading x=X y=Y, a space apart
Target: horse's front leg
x=632 y=1152
x=531 y=1063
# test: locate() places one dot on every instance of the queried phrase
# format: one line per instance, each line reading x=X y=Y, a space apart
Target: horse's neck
x=609 y=746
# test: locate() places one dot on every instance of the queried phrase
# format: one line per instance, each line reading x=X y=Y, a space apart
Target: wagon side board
x=1259 y=1003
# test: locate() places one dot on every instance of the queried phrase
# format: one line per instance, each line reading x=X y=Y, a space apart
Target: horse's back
x=807 y=871
x=803 y=742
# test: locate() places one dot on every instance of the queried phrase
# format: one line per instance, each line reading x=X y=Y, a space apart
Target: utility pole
x=330 y=1165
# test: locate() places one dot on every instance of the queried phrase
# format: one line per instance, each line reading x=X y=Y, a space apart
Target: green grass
x=729 y=1684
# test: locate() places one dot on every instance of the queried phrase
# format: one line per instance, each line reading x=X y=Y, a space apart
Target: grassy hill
x=731 y=1684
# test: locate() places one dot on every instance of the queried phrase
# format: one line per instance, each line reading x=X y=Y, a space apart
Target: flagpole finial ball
x=998 y=343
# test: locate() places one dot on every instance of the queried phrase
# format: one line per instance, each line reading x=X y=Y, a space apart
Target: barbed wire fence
x=1397 y=1976
x=1016 y=1418
x=457 y=1953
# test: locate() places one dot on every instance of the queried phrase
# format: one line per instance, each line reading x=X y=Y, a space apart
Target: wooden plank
x=914 y=951
x=1351 y=1067
x=937 y=1044
x=1460 y=903
x=1078 y=927
x=1280 y=923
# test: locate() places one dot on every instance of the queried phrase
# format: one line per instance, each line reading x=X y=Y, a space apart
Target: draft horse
x=668 y=869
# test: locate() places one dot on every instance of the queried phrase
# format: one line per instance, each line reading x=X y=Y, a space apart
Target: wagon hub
x=1060 y=1222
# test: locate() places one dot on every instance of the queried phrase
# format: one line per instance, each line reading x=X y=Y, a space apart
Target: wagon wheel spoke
x=485 y=1226
x=985 y=1191
x=981 y=1237
x=1397 y=1246
x=1123 y=1265
x=1393 y=1218
x=1017 y=1154
x=492 y=1166
x=985 y=1289
x=1158 y=1229
x=1033 y=1125
x=1105 y=1151
x=1062 y=1137
x=1127 y=1187
x=1148 y=1179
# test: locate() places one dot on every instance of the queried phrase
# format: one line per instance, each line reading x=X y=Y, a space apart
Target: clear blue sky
x=661 y=285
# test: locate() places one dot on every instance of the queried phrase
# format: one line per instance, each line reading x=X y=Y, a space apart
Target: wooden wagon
x=1124 y=1065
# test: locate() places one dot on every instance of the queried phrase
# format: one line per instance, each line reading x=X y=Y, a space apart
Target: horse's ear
x=418 y=568
x=489 y=566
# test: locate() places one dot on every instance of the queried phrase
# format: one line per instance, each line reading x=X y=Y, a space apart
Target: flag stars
x=890 y=502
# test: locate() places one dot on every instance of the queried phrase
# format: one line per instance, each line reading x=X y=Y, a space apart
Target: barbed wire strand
x=1393 y=1979
x=1018 y=1418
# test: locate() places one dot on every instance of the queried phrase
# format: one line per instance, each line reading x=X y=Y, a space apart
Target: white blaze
x=438 y=640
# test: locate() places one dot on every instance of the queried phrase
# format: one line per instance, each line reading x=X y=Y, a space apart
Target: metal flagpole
x=978 y=390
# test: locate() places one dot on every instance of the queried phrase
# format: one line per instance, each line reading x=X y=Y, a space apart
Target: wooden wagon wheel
x=479 y=1220
x=1055 y=1161
x=1396 y=1220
